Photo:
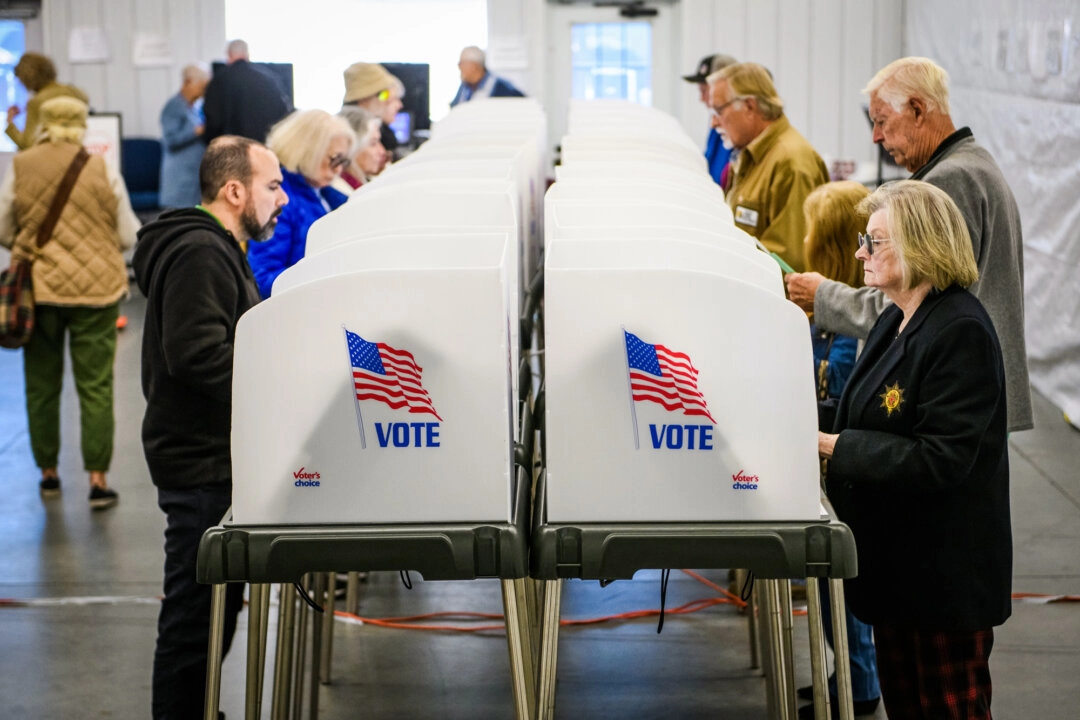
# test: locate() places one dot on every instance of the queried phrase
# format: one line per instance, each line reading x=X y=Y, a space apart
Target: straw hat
x=362 y=80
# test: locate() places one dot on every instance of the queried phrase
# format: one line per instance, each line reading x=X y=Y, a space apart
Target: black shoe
x=50 y=487
x=861 y=707
x=102 y=498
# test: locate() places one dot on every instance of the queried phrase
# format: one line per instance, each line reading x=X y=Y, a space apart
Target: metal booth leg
x=788 y=624
x=328 y=628
x=318 y=593
x=352 y=593
x=549 y=649
x=301 y=651
x=213 y=652
x=283 y=659
x=840 y=650
x=781 y=704
x=517 y=639
x=818 y=671
x=256 y=648
x=751 y=616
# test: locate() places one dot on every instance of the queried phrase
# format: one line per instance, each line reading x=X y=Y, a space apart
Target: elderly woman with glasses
x=312 y=146
x=369 y=157
x=918 y=463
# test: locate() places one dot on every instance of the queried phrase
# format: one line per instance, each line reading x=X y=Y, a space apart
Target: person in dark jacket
x=313 y=147
x=190 y=266
x=918 y=461
x=242 y=99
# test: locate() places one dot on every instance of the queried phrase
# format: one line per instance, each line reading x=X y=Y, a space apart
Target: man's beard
x=254 y=230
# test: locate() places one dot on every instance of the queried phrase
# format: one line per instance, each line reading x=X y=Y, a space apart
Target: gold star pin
x=892 y=398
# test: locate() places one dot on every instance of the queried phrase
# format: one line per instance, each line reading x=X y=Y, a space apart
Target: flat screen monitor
x=402 y=127
x=416 y=79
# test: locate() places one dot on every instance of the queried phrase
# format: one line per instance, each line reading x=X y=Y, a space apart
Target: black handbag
x=16 y=283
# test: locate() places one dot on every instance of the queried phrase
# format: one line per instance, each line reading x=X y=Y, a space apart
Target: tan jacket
x=773 y=176
x=81 y=264
x=25 y=139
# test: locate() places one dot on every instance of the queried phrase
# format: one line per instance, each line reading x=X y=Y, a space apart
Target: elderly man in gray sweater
x=909 y=107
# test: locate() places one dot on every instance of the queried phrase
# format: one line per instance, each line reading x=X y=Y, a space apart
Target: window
x=612 y=61
x=12 y=46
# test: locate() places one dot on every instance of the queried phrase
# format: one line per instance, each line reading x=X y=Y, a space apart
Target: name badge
x=746 y=216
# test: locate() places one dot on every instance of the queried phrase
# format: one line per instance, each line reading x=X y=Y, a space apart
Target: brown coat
x=81 y=264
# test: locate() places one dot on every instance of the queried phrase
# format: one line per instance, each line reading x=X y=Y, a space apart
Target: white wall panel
x=195 y=29
x=791 y=68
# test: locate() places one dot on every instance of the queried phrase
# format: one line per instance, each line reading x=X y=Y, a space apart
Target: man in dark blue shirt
x=715 y=152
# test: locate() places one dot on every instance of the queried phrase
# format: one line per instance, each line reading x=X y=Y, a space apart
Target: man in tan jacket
x=776 y=167
x=38 y=75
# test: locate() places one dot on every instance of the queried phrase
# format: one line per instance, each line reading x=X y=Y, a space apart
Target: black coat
x=920 y=470
x=197 y=284
x=242 y=99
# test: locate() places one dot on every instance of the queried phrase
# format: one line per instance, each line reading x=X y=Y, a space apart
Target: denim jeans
x=179 y=683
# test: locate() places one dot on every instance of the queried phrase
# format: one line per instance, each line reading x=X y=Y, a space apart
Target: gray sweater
x=968 y=173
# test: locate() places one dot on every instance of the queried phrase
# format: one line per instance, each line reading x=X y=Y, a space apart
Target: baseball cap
x=708 y=65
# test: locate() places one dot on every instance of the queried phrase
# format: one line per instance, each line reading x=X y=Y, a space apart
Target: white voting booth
x=379 y=381
x=677 y=374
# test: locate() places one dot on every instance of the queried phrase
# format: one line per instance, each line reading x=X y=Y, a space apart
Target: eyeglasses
x=869 y=242
x=719 y=109
x=338 y=160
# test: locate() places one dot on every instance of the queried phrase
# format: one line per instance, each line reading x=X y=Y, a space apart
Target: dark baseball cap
x=708 y=65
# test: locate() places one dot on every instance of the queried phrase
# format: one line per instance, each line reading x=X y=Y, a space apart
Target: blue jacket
x=716 y=154
x=182 y=151
x=498 y=88
x=269 y=258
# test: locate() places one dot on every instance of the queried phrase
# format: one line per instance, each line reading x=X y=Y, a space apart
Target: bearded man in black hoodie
x=191 y=266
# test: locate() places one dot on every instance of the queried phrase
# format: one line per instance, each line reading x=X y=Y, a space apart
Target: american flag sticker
x=662 y=376
x=388 y=375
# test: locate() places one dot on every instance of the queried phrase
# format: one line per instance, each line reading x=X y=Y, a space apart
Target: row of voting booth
x=472 y=375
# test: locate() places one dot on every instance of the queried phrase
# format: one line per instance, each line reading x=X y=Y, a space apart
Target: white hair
x=473 y=54
x=237 y=48
x=194 y=73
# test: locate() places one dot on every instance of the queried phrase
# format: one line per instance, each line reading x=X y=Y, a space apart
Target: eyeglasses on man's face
x=868 y=241
x=719 y=109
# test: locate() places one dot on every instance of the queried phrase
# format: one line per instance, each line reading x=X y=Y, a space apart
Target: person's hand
x=12 y=113
x=802 y=287
x=825 y=444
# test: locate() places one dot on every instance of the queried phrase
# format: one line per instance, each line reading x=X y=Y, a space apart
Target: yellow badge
x=892 y=398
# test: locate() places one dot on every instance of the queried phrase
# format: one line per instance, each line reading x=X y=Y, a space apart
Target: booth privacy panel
x=746 y=451
x=375 y=397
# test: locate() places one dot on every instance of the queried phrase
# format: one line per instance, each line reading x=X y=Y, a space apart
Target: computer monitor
x=416 y=79
x=403 y=127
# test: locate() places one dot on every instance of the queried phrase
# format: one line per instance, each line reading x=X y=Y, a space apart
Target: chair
x=140 y=164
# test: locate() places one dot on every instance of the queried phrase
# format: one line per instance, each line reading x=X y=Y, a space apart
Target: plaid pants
x=934 y=675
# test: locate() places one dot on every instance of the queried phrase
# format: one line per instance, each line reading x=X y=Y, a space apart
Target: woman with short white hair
x=918 y=462
x=312 y=146
x=370 y=156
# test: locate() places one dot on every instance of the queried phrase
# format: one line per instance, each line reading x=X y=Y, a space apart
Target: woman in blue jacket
x=312 y=147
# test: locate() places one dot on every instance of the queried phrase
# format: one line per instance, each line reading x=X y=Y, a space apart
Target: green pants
x=92 y=341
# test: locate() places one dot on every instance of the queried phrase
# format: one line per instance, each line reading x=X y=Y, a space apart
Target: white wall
x=195 y=31
x=1015 y=72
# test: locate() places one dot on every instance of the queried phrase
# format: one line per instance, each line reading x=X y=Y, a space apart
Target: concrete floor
x=89 y=655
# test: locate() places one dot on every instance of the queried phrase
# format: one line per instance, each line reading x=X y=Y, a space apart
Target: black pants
x=179 y=689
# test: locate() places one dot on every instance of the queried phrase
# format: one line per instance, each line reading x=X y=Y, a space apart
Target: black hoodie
x=197 y=284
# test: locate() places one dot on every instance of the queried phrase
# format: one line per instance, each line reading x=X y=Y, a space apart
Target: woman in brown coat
x=79 y=279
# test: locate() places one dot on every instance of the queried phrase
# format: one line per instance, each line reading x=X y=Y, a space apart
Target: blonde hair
x=832 y=230
x=928 y=233
x=750 y=80
x=909 y=77
x=302 y=140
